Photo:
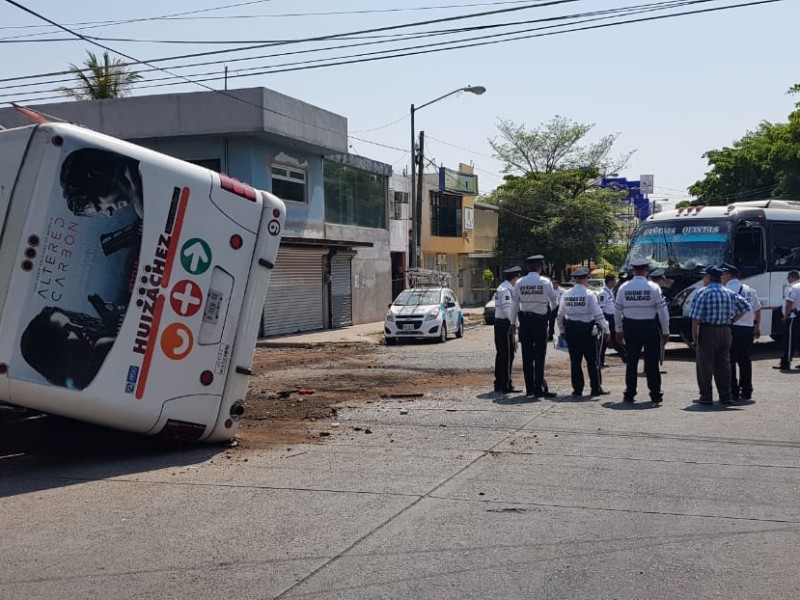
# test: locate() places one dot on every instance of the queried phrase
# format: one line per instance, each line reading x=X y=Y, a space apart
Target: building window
x=445 y=215
x=400 y=206
x=288 y=183
x=355 y=196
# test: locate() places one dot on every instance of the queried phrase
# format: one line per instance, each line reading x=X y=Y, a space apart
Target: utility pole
x=418 y=207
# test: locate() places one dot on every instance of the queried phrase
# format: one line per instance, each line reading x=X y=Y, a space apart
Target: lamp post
x=416 y=199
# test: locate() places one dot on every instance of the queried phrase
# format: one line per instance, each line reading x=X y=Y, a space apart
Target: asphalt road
x=459 y=494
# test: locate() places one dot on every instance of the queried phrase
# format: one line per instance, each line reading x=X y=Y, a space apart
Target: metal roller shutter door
x=294 y=295
x=341 y=290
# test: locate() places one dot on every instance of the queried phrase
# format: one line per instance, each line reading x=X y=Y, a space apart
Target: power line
x=452 y=44
x=405 y=37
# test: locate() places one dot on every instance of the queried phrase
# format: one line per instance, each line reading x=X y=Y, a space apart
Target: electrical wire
x=327 y=61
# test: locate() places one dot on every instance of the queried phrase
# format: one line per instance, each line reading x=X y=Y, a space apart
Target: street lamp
x=416 y=199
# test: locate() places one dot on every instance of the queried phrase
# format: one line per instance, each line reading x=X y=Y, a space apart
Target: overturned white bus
x=131 y=283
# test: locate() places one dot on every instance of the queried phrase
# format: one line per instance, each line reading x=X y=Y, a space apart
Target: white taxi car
x=423 y=313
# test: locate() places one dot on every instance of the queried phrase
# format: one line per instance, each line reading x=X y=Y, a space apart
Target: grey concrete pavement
x=460 y=494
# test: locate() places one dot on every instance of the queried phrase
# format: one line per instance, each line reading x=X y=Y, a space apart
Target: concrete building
x=334 y=264
x=458 y=233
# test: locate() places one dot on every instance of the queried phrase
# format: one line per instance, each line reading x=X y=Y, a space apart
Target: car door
x=451 y=310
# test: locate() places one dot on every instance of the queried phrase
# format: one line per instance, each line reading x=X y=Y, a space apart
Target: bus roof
x=768 y=206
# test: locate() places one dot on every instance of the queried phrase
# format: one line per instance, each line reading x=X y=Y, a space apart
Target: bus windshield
x=680 y=245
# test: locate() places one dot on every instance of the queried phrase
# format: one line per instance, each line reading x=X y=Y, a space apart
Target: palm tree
x=101 y=80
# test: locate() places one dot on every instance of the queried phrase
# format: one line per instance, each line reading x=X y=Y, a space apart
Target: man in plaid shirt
x=714 y=308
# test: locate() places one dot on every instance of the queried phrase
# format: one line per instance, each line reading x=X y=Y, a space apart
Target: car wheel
x=443 y=335
x=460 y=330
x=390 y=341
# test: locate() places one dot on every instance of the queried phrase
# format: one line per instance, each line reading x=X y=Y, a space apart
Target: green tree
x=555 y=146
x=550 y=201
x=765 y=163
x=99 y=80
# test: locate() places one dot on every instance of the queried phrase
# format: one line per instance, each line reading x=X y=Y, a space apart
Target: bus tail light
x=235 y=186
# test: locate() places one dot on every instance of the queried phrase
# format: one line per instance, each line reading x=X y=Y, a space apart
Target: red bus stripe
x=151 y=345
x=176 y=234
x=173 y=249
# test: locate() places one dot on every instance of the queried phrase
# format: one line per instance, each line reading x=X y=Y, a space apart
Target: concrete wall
x=371 y=271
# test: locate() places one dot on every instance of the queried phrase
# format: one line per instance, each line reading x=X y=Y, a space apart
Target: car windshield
x=418 y=297
x=680 y=245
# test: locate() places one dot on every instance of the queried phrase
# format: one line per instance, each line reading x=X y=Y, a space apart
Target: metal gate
x=341 y=289
x=295 y=292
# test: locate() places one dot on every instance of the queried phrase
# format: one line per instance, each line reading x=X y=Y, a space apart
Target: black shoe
x=726 y=400
x=577 y=392
x=600 y=392
x=703 y=401
x=747 y=395
x=628 y=399
x=656 y=398
x=783 y=367
x=512 y=390
x=542 y=394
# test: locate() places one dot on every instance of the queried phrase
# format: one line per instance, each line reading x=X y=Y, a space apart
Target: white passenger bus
x=131 y=283
x=761 y=237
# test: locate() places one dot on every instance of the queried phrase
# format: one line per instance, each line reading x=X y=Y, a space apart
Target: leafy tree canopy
x=765 y=163
x=100 y=79
x=555 y=146
x=550 y=201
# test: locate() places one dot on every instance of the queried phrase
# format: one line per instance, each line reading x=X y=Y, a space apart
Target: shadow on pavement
x=39 y=452
x=643 y=405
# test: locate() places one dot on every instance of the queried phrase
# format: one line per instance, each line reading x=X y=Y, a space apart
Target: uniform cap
x=729 y=268
x=639 y=263
x=712 y=271
x=512 y=270
x=581 y=272
x=535 y=257
x=657 y=274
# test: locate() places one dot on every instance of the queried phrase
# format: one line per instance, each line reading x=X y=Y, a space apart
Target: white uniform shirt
x=502 y=301
x=533 y=293
x=749 y=294
x=791 y=291
x=580 y=304
x=640 y=299
x=606 y=298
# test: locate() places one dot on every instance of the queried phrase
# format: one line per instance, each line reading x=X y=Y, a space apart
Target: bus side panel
x=248 y=321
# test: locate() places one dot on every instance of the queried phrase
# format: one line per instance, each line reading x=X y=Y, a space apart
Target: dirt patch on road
x=294 y=392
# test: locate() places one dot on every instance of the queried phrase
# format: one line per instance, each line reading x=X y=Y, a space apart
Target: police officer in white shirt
x=532 y=298
x=641 y=320
x=791 y=320
x=606 y=298
x=744 y=332
x=551 y=319
x=504 y=333
x=577 y=316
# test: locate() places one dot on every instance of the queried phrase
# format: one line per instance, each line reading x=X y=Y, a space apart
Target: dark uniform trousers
x=714 y=360
x=791 y=336
x=642 y=336
x=741 y=343
x=504 y=355
x=582 y=345
x=533 y=339
x=552 y=315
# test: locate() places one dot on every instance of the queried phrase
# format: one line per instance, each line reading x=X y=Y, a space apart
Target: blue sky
x=672 y=89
